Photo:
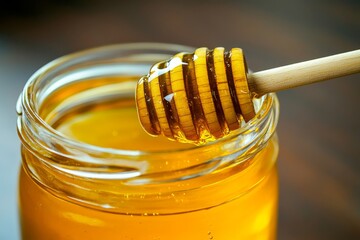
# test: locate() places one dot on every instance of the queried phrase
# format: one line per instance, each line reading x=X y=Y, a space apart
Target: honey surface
x=250 y=215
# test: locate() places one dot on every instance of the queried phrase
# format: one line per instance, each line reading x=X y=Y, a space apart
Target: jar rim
x=26 y=103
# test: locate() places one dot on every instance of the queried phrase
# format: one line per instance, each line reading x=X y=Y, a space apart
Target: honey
x=93 y=173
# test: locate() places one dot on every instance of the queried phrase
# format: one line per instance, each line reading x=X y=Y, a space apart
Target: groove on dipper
x=165 y=90
x=150 y=107
x=230 y=80
x=192 y=92
x=214 y=89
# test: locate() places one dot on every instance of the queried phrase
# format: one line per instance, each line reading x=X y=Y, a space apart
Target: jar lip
x=26 y=103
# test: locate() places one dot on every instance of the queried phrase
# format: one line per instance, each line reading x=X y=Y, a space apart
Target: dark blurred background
x=319 y=133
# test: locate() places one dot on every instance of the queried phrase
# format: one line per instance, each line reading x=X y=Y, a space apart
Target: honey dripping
x=196 y=97
x=202 y=96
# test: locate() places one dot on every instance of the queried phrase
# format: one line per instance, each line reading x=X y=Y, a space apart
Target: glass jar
x=90 y=172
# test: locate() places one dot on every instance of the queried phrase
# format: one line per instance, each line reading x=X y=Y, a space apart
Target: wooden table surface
x=319 y=125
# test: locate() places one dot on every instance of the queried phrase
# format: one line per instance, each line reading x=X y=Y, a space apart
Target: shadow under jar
x=89 y=171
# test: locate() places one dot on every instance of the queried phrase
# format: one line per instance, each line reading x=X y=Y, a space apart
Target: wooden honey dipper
x=202 y=96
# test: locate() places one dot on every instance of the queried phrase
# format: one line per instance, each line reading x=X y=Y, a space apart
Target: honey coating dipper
x=202 y=96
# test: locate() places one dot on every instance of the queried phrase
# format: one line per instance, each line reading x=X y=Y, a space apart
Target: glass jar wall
x=90 y=172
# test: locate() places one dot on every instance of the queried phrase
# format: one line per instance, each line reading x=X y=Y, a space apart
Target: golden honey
x=90 y=171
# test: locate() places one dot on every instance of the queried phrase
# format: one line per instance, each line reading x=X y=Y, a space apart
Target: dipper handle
x=303 y=73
